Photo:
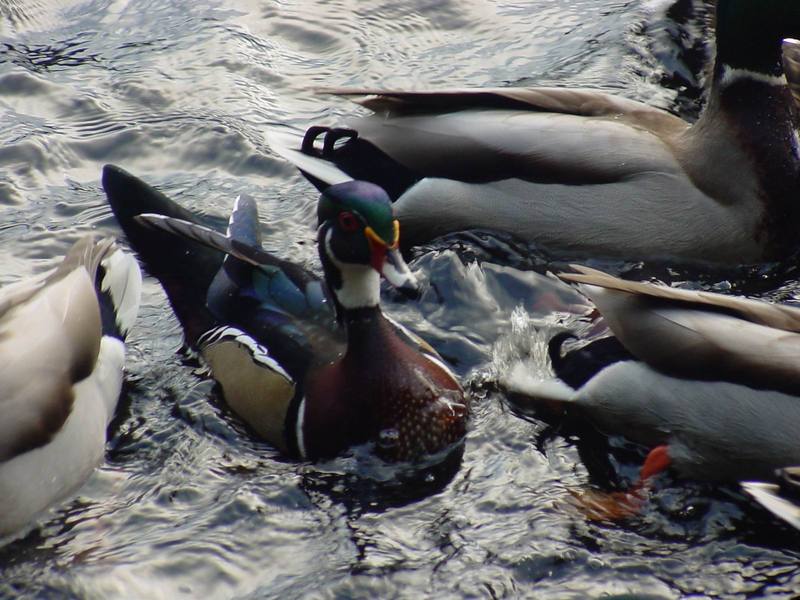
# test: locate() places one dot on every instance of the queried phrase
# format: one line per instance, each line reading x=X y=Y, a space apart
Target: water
x=187 y=504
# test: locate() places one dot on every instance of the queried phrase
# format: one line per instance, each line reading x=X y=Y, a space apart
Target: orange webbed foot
x=617 y=506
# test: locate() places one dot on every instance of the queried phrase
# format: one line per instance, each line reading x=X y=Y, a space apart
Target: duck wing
x=50 y=339
x=543 y=135
x=572 y=101
x=215 y=279
x=770 y=315
x=285 y=309
x=699 y=335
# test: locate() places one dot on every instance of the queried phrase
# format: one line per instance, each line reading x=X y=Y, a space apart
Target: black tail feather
x=578 y=366
x=184 y=268
x=358 y=158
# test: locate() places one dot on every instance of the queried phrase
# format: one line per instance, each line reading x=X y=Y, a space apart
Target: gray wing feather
x=198 y=233
x=574 y=101
x=679 y=333
x=490 y=145
x=757 y=311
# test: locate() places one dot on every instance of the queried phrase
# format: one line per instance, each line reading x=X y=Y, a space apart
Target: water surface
x=187 y=503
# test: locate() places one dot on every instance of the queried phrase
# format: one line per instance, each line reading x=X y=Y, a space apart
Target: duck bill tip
x=395 y=270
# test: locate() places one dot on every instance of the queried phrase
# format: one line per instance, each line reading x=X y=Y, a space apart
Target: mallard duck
x=782 y=499
x=312 y=366
x=709 y=382
x=62 y=342
x=587 y=173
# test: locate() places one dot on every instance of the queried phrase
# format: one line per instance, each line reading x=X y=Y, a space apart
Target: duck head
x=750 y=32
x=359 y=239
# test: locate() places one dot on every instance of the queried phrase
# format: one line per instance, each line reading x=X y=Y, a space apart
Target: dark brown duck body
x=382 y=390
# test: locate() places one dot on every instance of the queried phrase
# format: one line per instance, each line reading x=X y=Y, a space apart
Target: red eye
x=348 y=221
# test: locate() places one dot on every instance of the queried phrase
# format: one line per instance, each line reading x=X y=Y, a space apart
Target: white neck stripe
x=731 y=75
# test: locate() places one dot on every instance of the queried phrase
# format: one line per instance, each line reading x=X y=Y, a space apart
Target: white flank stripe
x=301 y=419
x=438 y=361
x=434 y=358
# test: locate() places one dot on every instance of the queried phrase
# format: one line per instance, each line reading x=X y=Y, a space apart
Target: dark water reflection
x=189 y=505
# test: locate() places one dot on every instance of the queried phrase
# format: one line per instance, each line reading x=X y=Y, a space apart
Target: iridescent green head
x=367 y=202
x=749 y=33
x=357 y=230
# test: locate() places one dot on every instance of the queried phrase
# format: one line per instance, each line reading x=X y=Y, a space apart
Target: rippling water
x=187 y=504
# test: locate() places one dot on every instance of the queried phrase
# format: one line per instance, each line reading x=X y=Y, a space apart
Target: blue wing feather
x=281 y=305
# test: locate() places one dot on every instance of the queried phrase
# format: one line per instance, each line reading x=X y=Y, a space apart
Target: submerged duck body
x=710 y=382
x=62 y=342
x=588 y=173
x=312 y=366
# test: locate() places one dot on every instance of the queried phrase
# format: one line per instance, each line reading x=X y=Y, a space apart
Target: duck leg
x=615 y=506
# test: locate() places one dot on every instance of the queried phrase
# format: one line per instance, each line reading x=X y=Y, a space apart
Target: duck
x=709 y=383
x=311 y=365
x=781 y=498
x=583 y=173
x=62 y=339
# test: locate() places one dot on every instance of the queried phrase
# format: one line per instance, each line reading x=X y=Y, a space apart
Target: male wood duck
x=587 y=173
x=709 y=382
x=313 y=367
x=62 y=347
x=782 y=498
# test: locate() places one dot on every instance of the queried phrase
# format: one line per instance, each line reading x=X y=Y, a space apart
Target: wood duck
x=782 y=498
x=587 y=173
x=709 y=382
x=62 y=342
x=312 y=366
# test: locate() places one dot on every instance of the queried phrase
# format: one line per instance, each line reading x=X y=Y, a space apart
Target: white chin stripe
x=731 y=75
x=361 y=284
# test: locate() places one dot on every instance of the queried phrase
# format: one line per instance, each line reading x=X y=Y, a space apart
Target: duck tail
x=330 y=155
x=552 y=396
x=579 y=363
x=117 y=281
x=184 y=267
x=548 y=398
x=320 y=171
